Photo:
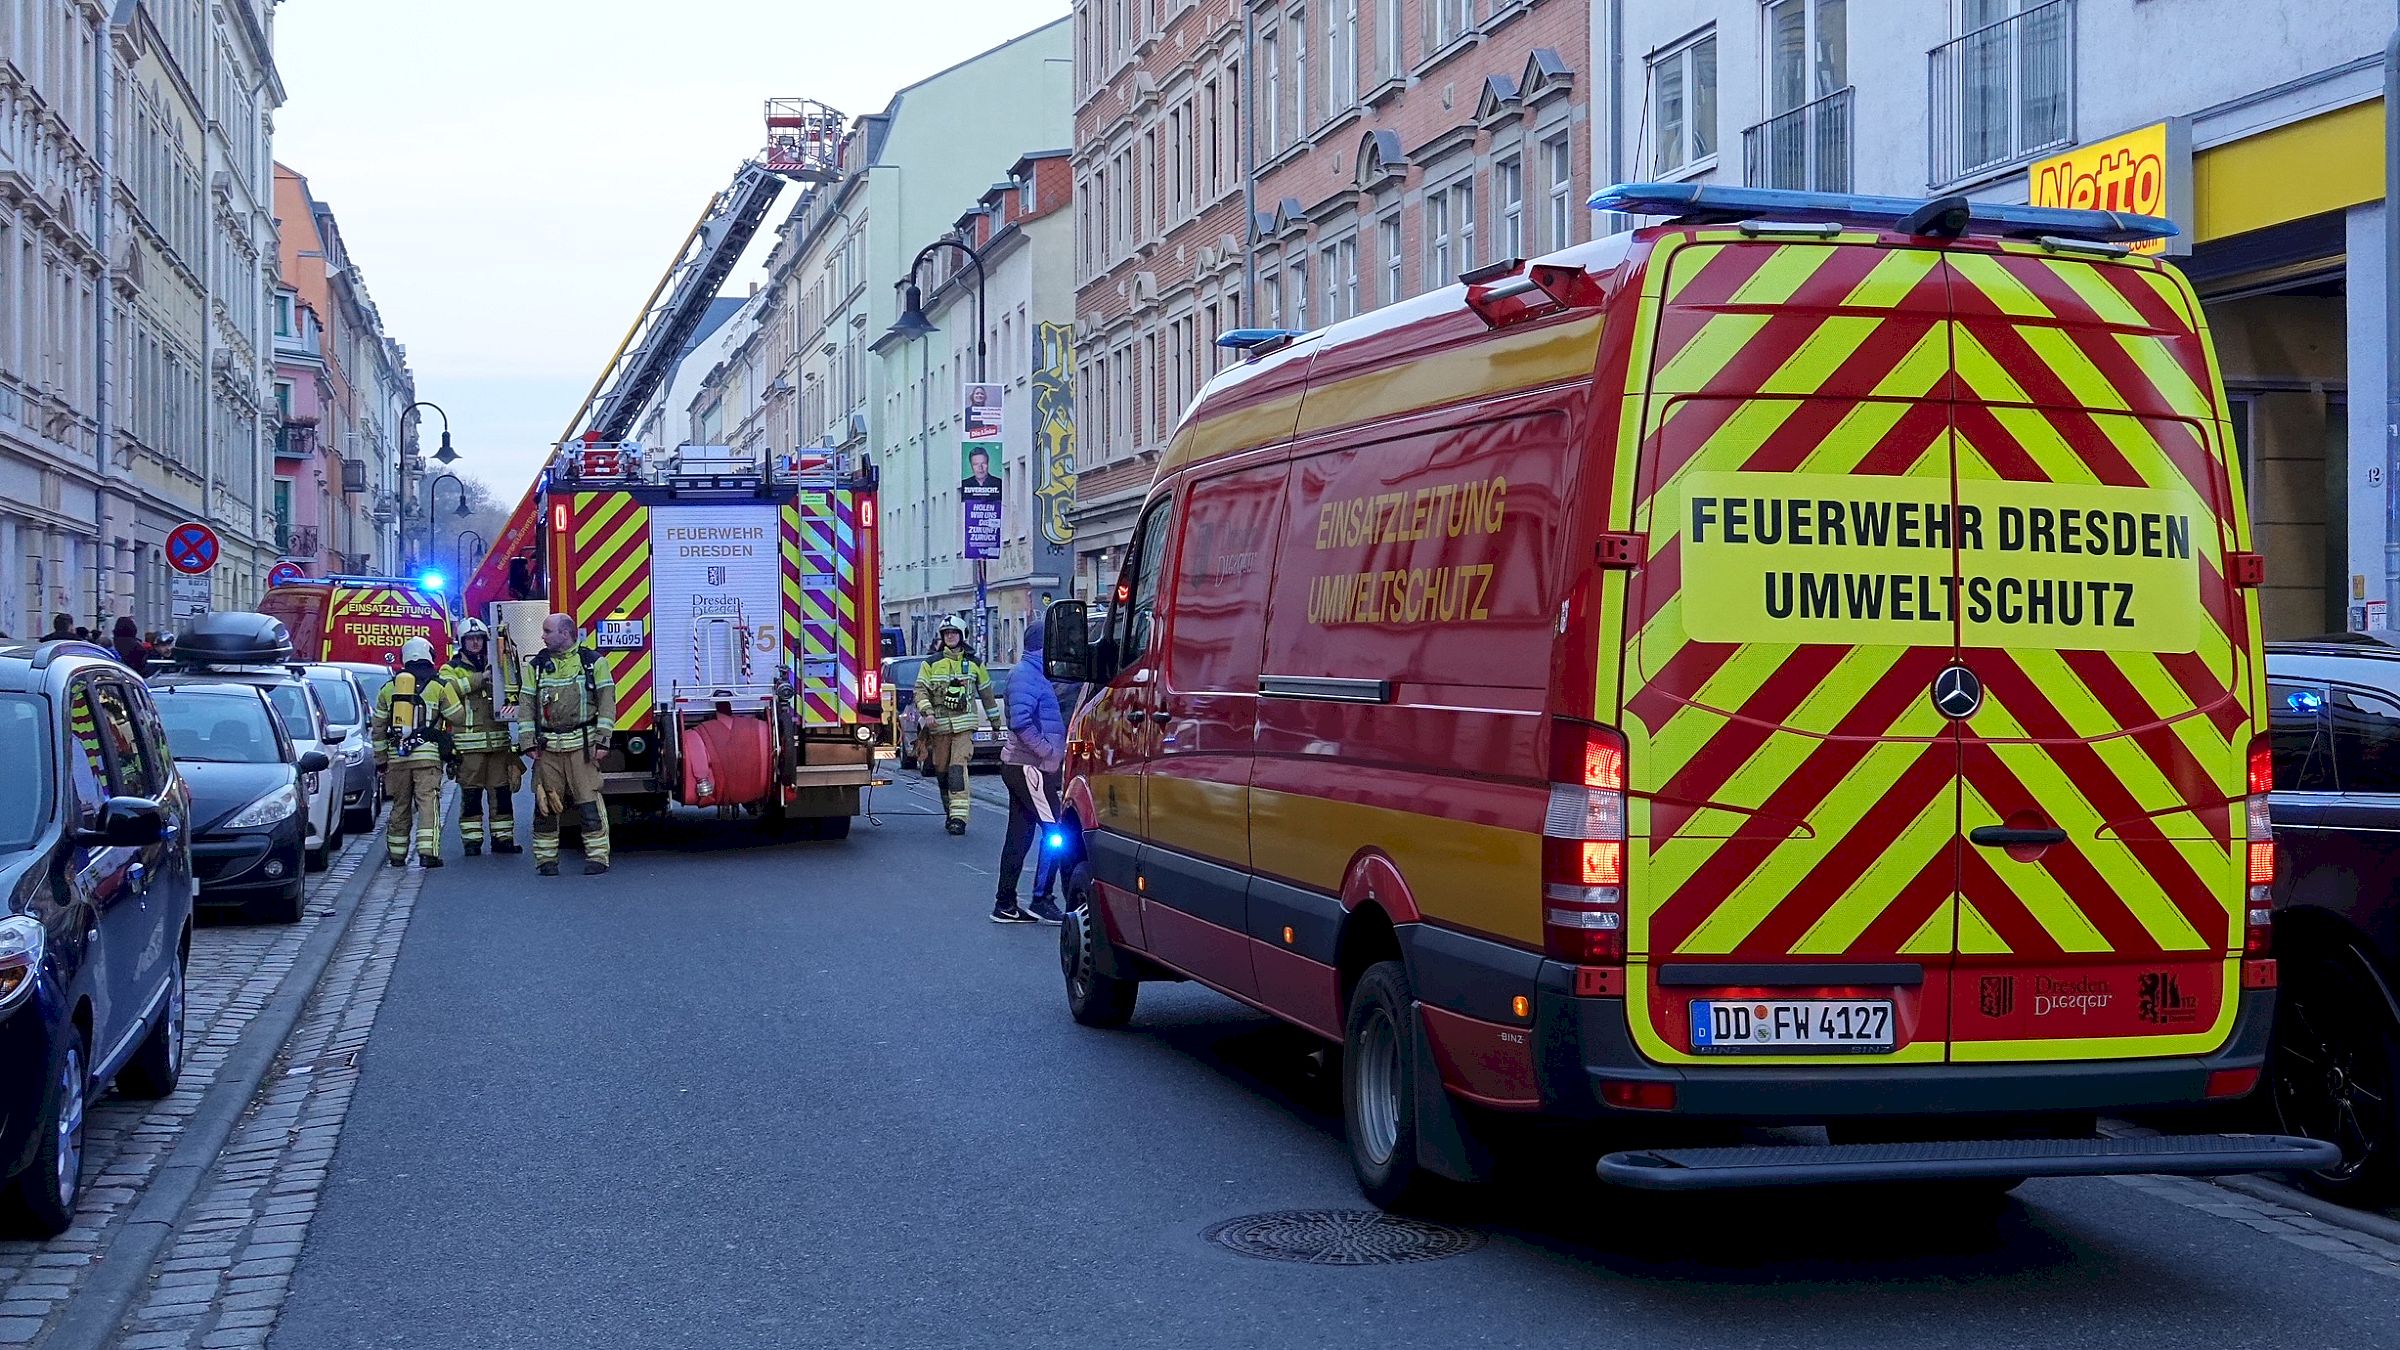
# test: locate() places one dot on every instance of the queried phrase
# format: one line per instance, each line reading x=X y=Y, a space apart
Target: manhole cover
x=1341 y=1237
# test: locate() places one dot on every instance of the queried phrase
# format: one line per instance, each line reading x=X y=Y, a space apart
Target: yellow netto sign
x=2145 y=172
x=1836 y=558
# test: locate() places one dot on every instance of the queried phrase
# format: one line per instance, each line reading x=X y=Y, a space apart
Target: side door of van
x=1196 y=855
x=1117 y=722
x=2102 y=884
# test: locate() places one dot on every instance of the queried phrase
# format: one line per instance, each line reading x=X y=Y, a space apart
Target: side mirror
x=125 y=822
x=337 y=736
x=315 y=762
x=1066 y=644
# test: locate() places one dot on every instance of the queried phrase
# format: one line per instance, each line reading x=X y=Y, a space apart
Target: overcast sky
x=512 y=177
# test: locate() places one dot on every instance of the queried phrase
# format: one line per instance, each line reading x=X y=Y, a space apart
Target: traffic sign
x=192 y=548
x=187 y=596
x=286 y=573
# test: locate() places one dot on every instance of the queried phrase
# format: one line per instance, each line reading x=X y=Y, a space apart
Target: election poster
x=980 y=468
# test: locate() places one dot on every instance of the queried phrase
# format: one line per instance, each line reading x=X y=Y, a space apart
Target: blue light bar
x=1721 y=203
x=1245 y=339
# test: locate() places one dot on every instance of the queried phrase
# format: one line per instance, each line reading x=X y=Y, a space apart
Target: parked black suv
x=2333 y=707
x=96 y=866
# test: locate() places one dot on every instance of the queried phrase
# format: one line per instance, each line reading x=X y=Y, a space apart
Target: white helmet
x=414 y=650
x=951 y=623
x=474 y=628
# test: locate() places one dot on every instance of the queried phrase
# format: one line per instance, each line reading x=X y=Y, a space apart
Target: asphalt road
x=736 y=1094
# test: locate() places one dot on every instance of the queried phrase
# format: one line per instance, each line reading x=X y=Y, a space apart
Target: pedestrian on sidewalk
x=572 y=716
x=126 y=640
x=489 y=767
x=950 y=683
x=414 y=716
x=1031 y=760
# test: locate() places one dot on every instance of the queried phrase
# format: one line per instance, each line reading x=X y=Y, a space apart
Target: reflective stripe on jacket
x=424 y=708
x=569 y=702
x=949 y=685
x=480 y=729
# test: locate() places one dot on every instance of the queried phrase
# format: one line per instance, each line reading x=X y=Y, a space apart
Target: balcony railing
x=283 y=535
x=2003 y=93
x=1806 y=149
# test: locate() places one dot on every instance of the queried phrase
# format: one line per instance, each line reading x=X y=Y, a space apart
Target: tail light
x=1583 y=846
x=870 y=693
x=2258 y=914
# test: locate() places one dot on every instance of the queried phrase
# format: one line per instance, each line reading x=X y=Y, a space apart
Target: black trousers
x=1027 y=786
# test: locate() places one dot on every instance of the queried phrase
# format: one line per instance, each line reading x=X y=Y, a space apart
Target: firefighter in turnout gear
x=414 y=717
x=569 y=709
x=488 y=767
x=950 y=685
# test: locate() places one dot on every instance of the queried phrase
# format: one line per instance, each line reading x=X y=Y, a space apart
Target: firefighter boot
x=955 y=798
x=504 y=825
x=470 y=821
x=595 y=839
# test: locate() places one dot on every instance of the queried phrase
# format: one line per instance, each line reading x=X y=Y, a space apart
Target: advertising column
x=979 y=493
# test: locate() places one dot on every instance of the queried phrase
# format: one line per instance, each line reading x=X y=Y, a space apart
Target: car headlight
x=21 y=943
x=354 y=754
x=281 y=804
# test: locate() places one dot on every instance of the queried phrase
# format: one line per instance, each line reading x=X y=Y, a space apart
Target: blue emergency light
x=1711 y=202
x=2304 y=701
x=1055 y=840
x=432 y=581
x=1256 y=339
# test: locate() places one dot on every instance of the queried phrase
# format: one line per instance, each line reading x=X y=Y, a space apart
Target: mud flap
x=1447 y=1145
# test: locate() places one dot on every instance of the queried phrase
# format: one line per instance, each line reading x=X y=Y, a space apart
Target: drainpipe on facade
x=104 y=328
x=1616 y=91
x=2391 y=324
x=1249 y=305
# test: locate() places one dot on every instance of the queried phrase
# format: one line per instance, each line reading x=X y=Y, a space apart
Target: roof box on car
x=234 y=639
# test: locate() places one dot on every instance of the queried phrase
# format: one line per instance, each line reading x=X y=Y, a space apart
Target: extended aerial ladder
x=804 y=145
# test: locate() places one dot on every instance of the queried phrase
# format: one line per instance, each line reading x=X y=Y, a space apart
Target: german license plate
x=1833 y=1026
x=983 y=738
x=619 y=635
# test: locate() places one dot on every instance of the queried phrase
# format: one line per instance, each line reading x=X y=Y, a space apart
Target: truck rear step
x=2196 y=1155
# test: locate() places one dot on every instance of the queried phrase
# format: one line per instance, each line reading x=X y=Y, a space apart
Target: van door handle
x=1161 y=718
x=2003 y=836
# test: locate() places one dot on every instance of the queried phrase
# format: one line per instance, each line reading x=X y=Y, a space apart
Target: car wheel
x=43 y=1195
x=361 y=819
x=1379 y=1091
x=830 y=828
x=158 y=1064
x=1093 y=998
x=2333 y=1073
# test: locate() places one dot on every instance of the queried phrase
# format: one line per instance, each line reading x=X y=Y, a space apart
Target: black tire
x=42 y=1197
x=1093 y=999
x=1379 y=1092
x=157 y=1065
x=907 y=760
x=2333 y=1073
x=832 y=828
x=317 y=859
x=284 y=908
x=358 y=819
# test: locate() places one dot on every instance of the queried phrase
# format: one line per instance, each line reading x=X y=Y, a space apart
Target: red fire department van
x=358 y=618
x=1791 y=664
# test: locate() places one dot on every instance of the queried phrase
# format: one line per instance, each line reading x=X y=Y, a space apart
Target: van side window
x=2300 y=740
x=1137 y=619
x=2366 y=741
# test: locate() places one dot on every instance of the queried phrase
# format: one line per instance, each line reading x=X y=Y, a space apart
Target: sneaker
x=1047 y=911
x=508 y=846
x=429 y=861
x=593 y=869
x=955 y=826
x=474 y=850
x=1005 y=913
x=546 y=870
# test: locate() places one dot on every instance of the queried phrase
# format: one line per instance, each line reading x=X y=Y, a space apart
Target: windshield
x=291 y=704
x=24 y=797
x=341 y=706
x=371 y=683
x=217 y=728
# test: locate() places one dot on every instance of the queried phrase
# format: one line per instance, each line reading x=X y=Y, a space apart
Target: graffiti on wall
x=1054 y=429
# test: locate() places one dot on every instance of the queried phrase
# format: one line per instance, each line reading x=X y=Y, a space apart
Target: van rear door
x=2102 y=885
x=1793 y=842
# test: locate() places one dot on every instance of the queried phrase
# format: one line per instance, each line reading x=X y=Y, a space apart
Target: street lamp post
x=433 y=496
x=912 y=323
x=459 y=556
x=445 y=456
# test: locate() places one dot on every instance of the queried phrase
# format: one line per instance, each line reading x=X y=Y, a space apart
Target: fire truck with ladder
x=731 y=592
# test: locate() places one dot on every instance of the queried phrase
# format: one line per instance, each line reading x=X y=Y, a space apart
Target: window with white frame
x=1295 y=289
x=1683 y=110
x=1391 y=47
x=1270 y=55
x=1438 y=270
x=1270 y=301
x=1808 y=52
x=1447 y=21
x=1508 y=177
x=1297 y=26
x=1391 y=258
x=1462 y=207
x=1561 y=172
x=1341 y=56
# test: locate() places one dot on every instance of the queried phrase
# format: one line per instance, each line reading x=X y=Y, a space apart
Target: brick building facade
x=1389 y=146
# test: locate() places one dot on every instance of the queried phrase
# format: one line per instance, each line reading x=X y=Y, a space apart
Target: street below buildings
x=745 y=1094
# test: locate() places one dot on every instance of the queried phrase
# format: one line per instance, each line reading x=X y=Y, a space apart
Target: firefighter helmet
x=951 y=623
x=414 y=650
x=474 y=628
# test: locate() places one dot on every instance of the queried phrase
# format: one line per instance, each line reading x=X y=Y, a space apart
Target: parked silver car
x=346 y=707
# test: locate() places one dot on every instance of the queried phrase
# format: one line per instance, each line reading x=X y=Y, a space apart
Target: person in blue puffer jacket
x=1031 y=762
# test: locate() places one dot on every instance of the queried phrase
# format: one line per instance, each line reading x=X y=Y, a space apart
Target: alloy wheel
x=70 y=1127
x=2329 y=1084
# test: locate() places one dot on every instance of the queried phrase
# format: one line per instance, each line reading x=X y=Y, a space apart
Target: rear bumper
x=2203 y=1155
x=1582 y=1042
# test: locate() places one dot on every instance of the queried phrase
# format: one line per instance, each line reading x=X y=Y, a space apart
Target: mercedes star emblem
x=1957 y=693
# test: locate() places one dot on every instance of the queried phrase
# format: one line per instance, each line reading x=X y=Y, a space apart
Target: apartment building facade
x=1387 y=147
x=2260 y=129
x=342 y=386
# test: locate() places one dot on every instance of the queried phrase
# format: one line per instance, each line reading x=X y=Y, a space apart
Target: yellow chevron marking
x=1976 y=937
x=1933 y=835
